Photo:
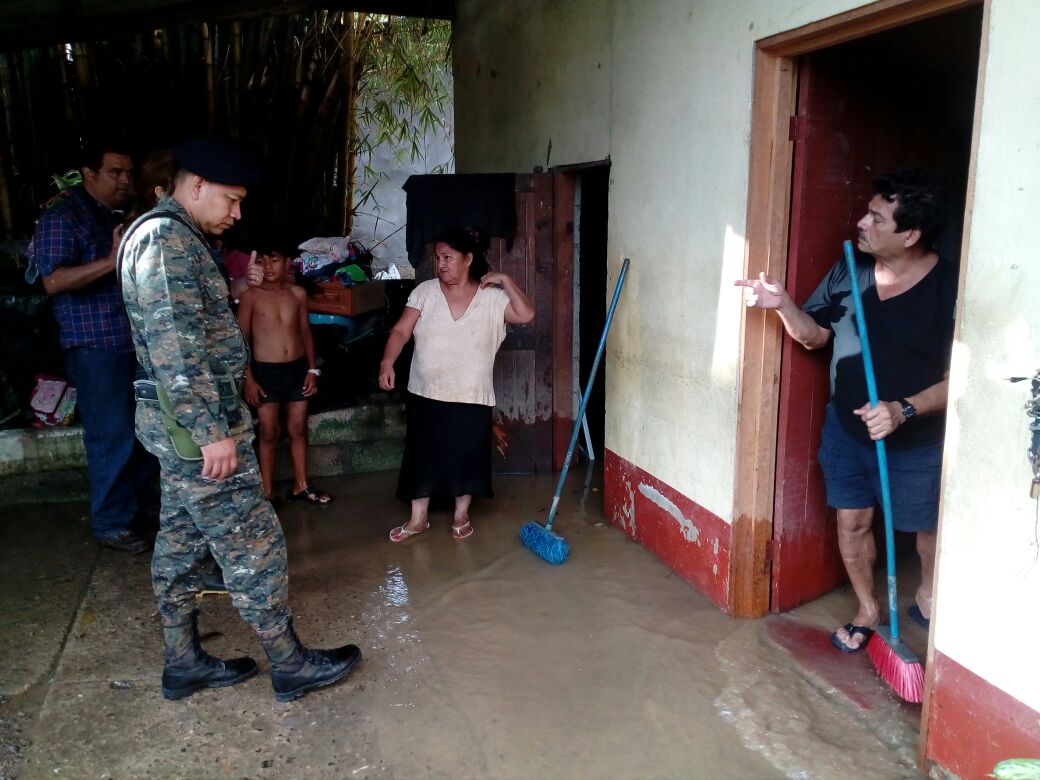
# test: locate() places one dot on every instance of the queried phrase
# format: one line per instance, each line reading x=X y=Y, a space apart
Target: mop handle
x=886 y=495
x=585 y=397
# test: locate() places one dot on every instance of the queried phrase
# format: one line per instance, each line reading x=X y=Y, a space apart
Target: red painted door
x=851 y=127
x=806 y=562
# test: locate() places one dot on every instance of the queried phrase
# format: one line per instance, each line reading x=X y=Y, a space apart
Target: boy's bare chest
x=277 y=308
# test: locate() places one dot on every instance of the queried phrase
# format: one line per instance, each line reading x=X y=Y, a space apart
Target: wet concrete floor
x=481 y=660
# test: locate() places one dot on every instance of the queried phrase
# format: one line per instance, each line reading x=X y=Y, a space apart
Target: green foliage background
x=292 y=88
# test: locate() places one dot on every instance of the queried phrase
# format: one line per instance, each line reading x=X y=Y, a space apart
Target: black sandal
x=311 y=495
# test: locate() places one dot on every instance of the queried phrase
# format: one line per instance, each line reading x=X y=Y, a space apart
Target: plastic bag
x=53 y=401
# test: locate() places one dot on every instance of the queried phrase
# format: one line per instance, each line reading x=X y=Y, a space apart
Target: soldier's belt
x=149 y=391
x=144 y=390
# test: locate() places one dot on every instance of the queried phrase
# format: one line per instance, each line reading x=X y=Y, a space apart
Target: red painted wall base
x=691 y=540
x=972 y=724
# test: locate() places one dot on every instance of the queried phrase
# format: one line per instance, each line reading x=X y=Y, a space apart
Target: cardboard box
x=334 y=298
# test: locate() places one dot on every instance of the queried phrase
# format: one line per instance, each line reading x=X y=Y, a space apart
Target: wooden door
x=532 y=355
x=851 y=127
x=532 y=375
x=806 y=562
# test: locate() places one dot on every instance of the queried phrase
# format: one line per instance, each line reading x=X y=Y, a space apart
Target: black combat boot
x=296 y=669
x=212 y=577
x=189 y=668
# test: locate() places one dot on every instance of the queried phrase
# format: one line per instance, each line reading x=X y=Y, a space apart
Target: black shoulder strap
x=150 y=215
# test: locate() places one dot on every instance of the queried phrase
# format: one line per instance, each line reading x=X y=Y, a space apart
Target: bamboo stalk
x=236 y=66
x=365 y=27
x=347 y=160
x=207 y=53
x=266 y=28
x=182 y=66
x=81 y=59
x=8 y=97
x=66 y=89
x=330 y=97
x=298 y=65
x=218 y=69
x=18 y=77
x=305 y=93
x=6 y=213
x=254 y=71
x=159 y=46
x=6 y=154
x=222 y=56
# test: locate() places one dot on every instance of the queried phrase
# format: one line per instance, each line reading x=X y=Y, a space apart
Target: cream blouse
x=454 y=360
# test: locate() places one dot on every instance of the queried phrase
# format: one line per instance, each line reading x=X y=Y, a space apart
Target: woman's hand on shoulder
x=519 y=310
x=494 y=279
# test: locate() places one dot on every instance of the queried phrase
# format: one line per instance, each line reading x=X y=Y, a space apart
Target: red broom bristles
x=905 y=677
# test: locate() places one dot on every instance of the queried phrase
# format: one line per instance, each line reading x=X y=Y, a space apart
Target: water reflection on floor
x=481 y=660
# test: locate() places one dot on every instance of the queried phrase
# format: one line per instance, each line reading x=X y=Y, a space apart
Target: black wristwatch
x=909 y=410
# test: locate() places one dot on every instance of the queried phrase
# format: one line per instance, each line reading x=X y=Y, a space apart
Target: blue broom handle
x=586 y=395
x=886 y=494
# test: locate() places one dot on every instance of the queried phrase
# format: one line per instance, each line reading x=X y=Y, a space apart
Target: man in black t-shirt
x=909 y=295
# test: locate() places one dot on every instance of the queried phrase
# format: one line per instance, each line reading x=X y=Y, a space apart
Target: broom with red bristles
x=896 y=663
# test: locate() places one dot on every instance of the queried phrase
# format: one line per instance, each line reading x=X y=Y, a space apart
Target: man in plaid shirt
x=75 y=249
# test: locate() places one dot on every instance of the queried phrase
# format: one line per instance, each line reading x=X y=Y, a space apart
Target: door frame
x=565 y=178
x=563 y=410
x=768 y=224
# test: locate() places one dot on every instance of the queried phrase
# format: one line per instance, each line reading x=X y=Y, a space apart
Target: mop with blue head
x=895 y=663
x=541 y=539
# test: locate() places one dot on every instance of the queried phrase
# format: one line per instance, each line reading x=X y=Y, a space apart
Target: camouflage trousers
x=230 y=519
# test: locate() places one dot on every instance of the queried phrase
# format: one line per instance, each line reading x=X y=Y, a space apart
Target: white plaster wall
x=989 y=573
x=379 y=222
x=663 y=88
x=545 y=78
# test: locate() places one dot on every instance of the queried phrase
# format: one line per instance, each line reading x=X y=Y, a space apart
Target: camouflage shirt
x=184 y=332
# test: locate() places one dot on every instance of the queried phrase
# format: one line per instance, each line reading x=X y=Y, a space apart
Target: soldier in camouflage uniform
x=188 y=341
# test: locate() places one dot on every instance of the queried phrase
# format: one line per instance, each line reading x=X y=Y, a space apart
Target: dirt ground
x=481 y=660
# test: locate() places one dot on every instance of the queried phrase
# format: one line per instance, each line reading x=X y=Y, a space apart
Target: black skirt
x=447 y=450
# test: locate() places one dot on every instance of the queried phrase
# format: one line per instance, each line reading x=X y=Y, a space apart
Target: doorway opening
x=899 y=98
x=590 y=297
x=886 y=85
x=935 y=45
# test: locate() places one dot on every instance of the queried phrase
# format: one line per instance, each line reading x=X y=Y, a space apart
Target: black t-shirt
x=910 y=339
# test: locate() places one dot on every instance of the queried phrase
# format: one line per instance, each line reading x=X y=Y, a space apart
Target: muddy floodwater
x=481 y=660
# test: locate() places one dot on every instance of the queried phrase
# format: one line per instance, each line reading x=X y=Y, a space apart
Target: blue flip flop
x=918 y=617
x=852 y=630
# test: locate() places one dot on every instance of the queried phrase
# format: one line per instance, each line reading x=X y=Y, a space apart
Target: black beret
x=218 y=160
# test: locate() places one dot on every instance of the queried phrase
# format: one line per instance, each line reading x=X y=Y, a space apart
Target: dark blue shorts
x=281 y=382
x=850 y=469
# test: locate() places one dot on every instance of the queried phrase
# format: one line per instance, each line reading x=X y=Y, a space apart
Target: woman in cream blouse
x=458 y=321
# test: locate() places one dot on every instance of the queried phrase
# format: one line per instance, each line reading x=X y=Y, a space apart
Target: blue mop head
x=544 y=543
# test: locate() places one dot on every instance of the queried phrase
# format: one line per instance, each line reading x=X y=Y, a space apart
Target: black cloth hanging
x=436 y=202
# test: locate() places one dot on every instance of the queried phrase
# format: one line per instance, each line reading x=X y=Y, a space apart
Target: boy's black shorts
x=281 y=382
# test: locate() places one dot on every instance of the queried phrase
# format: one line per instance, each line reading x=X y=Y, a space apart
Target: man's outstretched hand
x=765 y=292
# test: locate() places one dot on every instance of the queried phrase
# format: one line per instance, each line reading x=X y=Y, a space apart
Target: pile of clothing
x=333 y=259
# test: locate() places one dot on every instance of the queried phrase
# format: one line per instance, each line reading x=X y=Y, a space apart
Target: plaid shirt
x=75 y=232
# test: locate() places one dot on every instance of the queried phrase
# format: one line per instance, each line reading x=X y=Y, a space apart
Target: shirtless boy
x=282 y=372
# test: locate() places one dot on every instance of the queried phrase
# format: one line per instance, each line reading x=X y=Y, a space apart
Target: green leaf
x=1017 y=769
